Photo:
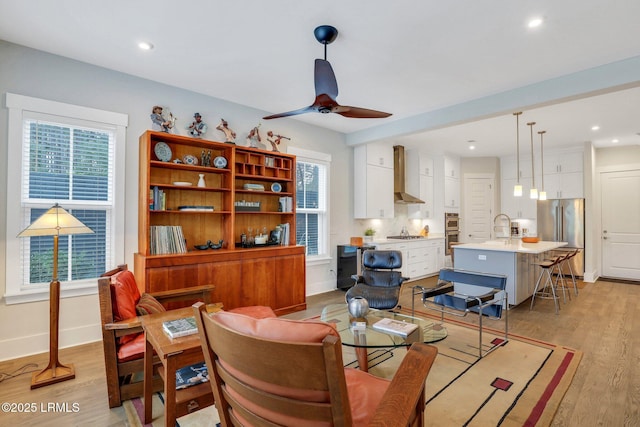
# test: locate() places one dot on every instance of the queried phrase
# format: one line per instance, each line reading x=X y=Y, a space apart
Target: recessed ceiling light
x=145 y=45
x=596 y=127
x=615 y=141
x=471 y=143
x=535 y=22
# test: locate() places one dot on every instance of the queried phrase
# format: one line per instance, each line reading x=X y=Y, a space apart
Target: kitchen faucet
x=507 y=227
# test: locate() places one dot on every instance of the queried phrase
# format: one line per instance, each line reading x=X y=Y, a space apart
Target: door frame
x=597 y=214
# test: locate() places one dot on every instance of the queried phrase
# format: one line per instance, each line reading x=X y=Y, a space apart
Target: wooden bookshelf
x=242 y=276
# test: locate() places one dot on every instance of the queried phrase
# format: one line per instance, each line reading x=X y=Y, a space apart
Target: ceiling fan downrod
x=325 y=34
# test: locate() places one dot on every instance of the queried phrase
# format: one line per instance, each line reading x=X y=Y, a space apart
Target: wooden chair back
x=264 y=382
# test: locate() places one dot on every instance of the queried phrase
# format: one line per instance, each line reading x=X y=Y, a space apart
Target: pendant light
x=517 y=189
x=542 y=195
x=533 y=193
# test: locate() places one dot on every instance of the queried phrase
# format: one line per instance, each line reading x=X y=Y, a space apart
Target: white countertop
x=515 y=246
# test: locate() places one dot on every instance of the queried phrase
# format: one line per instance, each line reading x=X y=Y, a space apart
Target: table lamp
x=54 y=222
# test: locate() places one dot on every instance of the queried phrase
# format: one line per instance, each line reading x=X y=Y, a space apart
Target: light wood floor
x=603 y=321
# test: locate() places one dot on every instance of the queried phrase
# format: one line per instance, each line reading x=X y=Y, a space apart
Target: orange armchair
x=291 y=373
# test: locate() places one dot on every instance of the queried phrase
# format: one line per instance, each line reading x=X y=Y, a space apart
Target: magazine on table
x=395 y=326
x=191 y=375
x=180 y=327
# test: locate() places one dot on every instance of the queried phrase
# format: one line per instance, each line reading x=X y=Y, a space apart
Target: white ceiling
x=415 y=61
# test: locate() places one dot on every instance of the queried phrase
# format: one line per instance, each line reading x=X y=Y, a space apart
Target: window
x=312 y=210
x=62 y=154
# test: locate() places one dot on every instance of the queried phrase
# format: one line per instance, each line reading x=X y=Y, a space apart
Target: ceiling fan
x=327 y=87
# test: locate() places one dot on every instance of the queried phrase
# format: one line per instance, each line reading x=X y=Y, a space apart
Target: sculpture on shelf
x=275 y=142
x=162 y=119
x=254 y=139
x=205 y=158
x=197 y=127
x=228 y=133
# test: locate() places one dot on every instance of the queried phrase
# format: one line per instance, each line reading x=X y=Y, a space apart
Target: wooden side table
x=174 y=353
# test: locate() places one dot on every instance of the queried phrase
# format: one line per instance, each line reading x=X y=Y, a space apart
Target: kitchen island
x=513 y=259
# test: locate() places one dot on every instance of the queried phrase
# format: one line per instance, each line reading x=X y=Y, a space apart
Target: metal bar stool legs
x=548 y=289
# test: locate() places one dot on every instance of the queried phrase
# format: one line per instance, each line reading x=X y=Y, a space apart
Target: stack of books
x=157 y=199
x=167 y=239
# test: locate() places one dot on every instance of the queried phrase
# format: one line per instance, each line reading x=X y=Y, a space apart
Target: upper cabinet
x=373 y=181
x=419 y=182
x=451 y=182
x=451 y=167
x=563 y=174
x=509 y=166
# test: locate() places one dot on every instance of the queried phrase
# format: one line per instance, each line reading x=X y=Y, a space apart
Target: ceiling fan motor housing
x=325 y=34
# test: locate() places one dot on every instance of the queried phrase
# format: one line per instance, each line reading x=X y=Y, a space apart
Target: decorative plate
x=276 y=187
x=162 y=151
x=190 y=160
x=182 y=183
x=220 y=162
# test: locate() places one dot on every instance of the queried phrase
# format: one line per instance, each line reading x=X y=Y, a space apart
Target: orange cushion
x=133 y=349
x=124 y=297
x=255 y=311
x=148 y=305
x=365 y=390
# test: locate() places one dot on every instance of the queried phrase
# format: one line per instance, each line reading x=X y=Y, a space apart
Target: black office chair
x=379 y=283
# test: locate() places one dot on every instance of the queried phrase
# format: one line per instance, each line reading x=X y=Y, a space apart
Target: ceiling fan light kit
x=326 y=86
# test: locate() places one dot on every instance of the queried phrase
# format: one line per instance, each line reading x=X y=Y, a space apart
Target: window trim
x=310 y=156
x=17 y=105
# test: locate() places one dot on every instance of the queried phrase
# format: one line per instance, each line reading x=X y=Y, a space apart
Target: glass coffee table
x=360 y=334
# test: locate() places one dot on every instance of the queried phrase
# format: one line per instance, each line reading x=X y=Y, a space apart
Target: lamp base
x=52 y=374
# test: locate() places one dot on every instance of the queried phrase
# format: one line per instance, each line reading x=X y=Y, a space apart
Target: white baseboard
x=36 y=344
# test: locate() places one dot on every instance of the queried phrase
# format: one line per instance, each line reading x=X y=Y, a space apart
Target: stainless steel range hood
x=400 y=195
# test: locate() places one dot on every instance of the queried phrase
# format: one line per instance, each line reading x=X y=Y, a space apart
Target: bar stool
x=565 y=259
x=548 y=290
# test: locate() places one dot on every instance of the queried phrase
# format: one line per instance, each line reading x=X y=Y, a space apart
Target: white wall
x=24 y=71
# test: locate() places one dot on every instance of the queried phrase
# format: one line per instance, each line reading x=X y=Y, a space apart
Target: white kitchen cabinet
x=517 y=207
x=373 y=185
x=563 y=176
x=509 y=167
x=451 y=192
x=419 y=182
x=452 y=167
x=564 y=185
x=379 y=155
x=420 y=258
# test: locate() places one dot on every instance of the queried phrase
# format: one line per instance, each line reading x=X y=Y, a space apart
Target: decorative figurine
x=229 y=134
x=160 y=121
x=205 y=158
x=276 y=142
x=253 y=139
x=197 y=128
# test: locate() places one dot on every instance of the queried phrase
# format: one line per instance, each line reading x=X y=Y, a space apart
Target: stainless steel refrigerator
x=562 y=220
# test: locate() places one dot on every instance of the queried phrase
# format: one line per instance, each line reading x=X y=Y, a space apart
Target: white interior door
x=478 y=204
x=620 y=195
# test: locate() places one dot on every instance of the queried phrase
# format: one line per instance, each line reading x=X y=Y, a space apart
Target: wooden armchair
x=122 y=335
x=287 y=372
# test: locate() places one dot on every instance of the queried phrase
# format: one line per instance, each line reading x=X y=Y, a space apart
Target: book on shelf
x=286 y=204
x=166 y=239
x=284 y=235
x=157 y=199
x=195 y=208
x=395 y=326
x=192 y=375
x=180 y=327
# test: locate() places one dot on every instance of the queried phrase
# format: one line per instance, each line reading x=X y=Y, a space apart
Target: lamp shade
x=55 y=222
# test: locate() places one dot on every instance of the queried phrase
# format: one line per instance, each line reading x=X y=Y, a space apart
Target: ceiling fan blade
x=325 y=79
x=309 y=109
x=359 y=113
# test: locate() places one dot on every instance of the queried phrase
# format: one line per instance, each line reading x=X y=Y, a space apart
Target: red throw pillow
x=148 y=305
x=124 y=297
